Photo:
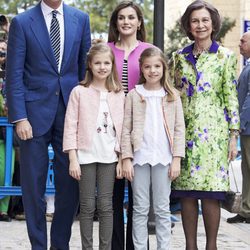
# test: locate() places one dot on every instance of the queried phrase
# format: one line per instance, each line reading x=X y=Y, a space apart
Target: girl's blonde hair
x=112 y=82
x=165 y=80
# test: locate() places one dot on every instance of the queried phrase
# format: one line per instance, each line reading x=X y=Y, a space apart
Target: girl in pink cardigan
x=153 y=142
x=92 y=135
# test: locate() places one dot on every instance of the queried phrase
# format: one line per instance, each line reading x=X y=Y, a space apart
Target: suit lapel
x=38 y=26
x=70 y=29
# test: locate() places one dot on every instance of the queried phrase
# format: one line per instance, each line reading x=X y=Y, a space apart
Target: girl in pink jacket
x=92 y=135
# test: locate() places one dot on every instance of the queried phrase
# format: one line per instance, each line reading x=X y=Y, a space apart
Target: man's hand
x=24 y=130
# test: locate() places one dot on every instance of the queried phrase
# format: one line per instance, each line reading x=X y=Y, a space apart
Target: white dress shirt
x=47 y=13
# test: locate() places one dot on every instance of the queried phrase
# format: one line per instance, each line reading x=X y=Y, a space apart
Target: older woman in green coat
x=205 y=74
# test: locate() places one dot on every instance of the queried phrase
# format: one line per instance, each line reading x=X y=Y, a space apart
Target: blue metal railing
x=7 y=189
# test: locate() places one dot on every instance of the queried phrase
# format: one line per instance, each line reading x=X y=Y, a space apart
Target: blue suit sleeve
x=15 y=89
x=85 y=45
x=245 y=114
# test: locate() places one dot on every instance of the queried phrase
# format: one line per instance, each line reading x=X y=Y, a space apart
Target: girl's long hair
x=165 y=80
x=112 y=82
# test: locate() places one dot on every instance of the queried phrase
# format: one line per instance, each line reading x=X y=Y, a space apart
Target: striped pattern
x=55 y=36
x=125 y=76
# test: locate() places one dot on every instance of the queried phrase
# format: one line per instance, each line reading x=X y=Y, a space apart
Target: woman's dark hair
x=197 y=5
x=113 y=34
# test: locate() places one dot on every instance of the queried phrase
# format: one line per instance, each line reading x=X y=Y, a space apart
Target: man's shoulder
x=246 y=69
x=245 y=74
x=27 y=14
x=74 y=11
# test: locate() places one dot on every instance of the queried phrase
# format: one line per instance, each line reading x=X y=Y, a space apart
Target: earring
x=139 y=27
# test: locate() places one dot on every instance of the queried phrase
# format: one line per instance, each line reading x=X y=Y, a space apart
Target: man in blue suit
x=44 y=64
x=244 y=108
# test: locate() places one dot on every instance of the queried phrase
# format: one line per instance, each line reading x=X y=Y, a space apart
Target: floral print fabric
x=209 y=98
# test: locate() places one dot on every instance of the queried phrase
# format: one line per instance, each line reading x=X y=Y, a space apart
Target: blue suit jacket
x=33 y=82
x=244 y=100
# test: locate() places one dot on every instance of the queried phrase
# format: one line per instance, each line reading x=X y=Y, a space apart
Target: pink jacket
x=82 y=113
x=133 y=62
x=134 y=118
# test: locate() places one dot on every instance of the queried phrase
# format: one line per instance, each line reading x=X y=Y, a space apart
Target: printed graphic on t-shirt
x=105 y=124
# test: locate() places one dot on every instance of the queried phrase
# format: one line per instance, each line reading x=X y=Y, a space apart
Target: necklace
x=198 y=51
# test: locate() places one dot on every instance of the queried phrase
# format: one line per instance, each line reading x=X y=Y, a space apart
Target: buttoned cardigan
x=81 y=117
x=134 y=118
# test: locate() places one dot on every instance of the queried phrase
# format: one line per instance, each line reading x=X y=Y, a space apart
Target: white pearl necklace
x=197 y=51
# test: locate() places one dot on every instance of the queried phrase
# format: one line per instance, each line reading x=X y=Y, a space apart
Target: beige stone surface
x=13 y=236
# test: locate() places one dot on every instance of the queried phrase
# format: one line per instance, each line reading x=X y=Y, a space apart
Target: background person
x=3 y=50
x=47 y=49
x=15 y=206
x=244 y=110
x=205 y=73
x=126 y=37
x=4 y=202
x=4 y=26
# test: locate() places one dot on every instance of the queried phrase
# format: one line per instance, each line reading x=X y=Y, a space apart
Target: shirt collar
x=213 y=48
x=248 y=61
x=47 y=10
x=149 y=93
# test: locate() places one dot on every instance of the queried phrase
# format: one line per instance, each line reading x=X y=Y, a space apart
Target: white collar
x=148 y=93
x=47 y=10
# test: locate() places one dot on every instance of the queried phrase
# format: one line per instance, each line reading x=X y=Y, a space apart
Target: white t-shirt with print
x=104 y=140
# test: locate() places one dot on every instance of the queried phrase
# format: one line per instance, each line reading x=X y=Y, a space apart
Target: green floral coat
x=209 y=98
